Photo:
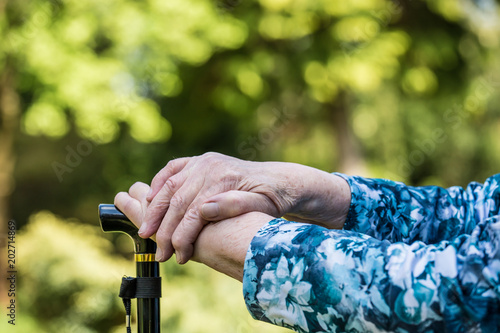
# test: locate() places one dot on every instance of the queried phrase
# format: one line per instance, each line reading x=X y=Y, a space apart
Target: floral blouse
x=410 y=259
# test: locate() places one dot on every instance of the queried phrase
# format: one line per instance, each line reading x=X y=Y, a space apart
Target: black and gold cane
x=146 y=287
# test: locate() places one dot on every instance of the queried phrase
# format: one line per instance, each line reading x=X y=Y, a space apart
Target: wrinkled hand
x=189 y=192
x=221 y=246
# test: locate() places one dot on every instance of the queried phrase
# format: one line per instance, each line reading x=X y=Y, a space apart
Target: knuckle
x=187 y=230
x=210 y=154
x=171 y=184
x=231 y=177
x=170 y=167
x=178 y=241
x=177 y=202
x=211 y=158
x=156 y=211
x=191 y=216
x=163 y=238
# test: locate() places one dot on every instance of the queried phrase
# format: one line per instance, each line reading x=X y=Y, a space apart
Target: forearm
x=223 y=245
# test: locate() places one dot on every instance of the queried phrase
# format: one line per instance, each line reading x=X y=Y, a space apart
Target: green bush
x=69 y=277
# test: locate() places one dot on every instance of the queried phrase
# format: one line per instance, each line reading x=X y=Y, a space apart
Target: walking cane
x=146 y=287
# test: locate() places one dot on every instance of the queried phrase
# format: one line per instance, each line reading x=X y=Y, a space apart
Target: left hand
x=221 y=245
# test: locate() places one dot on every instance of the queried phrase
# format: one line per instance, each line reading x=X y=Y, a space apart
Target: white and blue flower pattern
x=410 y=259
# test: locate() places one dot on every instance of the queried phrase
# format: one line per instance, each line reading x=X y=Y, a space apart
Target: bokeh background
x=95 y=95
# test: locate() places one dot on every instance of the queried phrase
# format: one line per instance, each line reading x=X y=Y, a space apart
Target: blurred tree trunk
x=351 y=159
x=9 y=122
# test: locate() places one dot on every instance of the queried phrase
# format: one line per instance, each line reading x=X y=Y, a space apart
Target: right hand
x=189 y=192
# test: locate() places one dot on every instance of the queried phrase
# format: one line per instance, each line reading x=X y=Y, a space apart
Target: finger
x=186 y=233
x=130 y=207
x=179 y=204
x=234 y=203
x=164 y=249
x=173 y=167
x=158 y=208
x=139 y=192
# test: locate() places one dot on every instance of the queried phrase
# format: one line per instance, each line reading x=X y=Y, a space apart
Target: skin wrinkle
x=315 y=203
x=275 y=201
x=275 y=191
x=268 y=194
x=177 y=202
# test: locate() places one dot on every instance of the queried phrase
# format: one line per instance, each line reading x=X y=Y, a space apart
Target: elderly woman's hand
x=221 y=246
x=189 y=192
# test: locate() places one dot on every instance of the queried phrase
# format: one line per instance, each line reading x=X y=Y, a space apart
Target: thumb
x=234 y=203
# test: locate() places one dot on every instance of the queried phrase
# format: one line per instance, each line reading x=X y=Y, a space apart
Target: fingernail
x=142 y=229
x=210 y=210
x=159 y=254
x=178 y=257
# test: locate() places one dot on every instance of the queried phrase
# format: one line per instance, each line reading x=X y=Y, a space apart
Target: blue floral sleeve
x=393 y=211
x=312 y=279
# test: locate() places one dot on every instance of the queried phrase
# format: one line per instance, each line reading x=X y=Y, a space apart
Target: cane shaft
x=148 y=309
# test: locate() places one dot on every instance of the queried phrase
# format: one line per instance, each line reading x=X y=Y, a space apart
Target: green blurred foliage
x=70 y=275
x=111 y=90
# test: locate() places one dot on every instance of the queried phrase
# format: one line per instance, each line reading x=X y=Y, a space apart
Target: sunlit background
x=98 y=94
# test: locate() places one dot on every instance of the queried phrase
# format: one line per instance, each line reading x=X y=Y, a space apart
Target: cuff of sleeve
x=350 y=221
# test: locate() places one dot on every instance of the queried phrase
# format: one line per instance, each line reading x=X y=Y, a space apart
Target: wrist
x=322 y=198
x=223 y=245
